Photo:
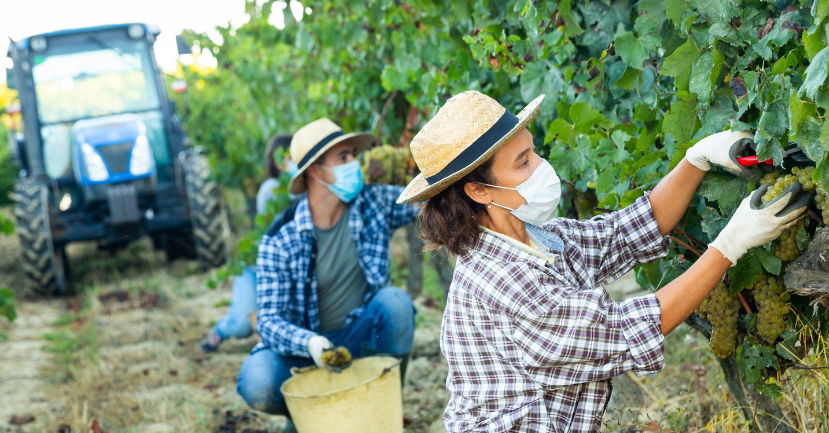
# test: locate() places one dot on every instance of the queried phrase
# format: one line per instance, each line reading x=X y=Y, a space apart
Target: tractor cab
x=102 y=151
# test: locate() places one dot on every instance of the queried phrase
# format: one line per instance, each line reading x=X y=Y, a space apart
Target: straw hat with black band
x=313 y=140
x=464 y=133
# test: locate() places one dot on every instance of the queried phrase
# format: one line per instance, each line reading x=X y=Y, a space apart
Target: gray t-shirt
x=342 y=284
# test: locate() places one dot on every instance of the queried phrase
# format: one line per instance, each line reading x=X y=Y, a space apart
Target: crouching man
x=323 y=275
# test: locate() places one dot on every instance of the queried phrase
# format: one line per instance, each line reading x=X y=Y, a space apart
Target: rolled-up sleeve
x=586 y=336
x=273 y=290
x=611 y=244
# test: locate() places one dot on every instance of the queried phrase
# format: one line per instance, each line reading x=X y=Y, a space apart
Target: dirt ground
x=127 y=353
x=124 y=353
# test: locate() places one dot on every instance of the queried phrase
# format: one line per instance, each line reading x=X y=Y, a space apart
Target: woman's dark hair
x=279 y=141
x=451 y=219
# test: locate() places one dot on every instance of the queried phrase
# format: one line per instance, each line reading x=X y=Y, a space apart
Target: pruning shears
x=751 y=160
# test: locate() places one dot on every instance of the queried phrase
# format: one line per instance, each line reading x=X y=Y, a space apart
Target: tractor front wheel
x=44 y=263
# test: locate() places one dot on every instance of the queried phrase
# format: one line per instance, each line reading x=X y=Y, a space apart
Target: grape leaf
x=532 y=80
x=815 y=75
x=726 y=189
x=674 y=10
x=812 y=42
x=786 y=348
x=771 y=263
x=681 y=120
x=808 y=138
x=628 y=79
x=712 y=222
x=561 y=129
x=798 y=111
x=746 y=271
x=752 y=360
x=680 y=63
x=700 y=82
x=717 y=10
x=584 y=116
x=631 y=50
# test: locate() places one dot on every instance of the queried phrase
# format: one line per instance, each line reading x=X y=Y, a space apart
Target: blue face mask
x=349 y=181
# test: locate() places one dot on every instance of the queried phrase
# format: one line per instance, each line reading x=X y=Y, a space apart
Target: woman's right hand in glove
x=754 y=224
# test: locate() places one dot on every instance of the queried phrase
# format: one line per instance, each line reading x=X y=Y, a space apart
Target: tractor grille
x=116 y=156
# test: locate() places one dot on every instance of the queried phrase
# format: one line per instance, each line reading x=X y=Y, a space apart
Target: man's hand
x=316 y=345
x=755 y=224
x=720 y=149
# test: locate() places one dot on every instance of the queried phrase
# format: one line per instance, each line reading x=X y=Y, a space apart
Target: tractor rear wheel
x=44 y=263
x=207 y=217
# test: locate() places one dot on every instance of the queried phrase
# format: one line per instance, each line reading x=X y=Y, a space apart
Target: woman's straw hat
x=312 y=141
x=464 y=133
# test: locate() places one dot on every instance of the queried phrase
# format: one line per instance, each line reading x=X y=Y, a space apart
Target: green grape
x=769 y=178
x=787 y=249
x=721 y=308
x=773 y=304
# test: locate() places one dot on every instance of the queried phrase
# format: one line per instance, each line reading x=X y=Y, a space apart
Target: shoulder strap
x=282 y=218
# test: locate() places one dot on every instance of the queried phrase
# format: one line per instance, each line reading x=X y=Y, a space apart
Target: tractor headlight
x=141 y=159
x=96 y=170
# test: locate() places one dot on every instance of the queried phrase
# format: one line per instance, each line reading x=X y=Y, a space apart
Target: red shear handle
x=748 y=161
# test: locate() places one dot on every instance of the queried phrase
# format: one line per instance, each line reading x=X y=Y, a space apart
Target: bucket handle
x=299 y=370
x=391 y=367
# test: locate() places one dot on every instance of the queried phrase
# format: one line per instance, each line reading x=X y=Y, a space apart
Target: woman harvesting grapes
x=531 y=338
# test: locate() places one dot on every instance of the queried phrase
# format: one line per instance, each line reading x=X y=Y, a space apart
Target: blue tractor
x=102 y=154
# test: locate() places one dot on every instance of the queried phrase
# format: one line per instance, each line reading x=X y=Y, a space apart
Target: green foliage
x=7 y=307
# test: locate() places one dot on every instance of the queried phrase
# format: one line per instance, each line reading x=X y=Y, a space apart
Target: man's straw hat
x=464 y=133
x=312 y=141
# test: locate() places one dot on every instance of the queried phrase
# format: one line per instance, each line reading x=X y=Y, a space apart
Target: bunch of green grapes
x=721 y=308
x=773 y=303
x=388 y=165
x=787 y=248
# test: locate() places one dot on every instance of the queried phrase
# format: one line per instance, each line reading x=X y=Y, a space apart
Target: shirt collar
x=501 y=247
x=304 y=222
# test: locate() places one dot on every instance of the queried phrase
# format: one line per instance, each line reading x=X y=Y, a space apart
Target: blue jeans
x=385 y=326
x=242 y=303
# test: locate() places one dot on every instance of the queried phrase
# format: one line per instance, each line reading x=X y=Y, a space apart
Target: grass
x=74 y=341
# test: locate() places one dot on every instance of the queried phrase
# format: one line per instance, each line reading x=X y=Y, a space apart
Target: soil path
x=135 y=365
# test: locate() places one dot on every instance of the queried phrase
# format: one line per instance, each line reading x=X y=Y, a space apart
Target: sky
x=22 y=18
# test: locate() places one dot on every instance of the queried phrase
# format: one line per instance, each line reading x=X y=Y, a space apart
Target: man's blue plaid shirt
x=286 y=295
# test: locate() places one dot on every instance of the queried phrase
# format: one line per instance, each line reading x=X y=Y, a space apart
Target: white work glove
x=754 y=224
x=721 y=149
x=316 y=345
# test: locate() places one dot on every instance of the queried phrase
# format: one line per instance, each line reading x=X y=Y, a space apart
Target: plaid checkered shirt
x=532 y=344
x=287 y=313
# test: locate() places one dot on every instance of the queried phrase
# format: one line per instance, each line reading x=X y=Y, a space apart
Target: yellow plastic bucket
x=364 y=398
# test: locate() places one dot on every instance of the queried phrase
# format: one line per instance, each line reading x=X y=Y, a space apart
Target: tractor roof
x=24 y=43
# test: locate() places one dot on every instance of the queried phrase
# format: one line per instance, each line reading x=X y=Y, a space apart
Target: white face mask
x=542 y=191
